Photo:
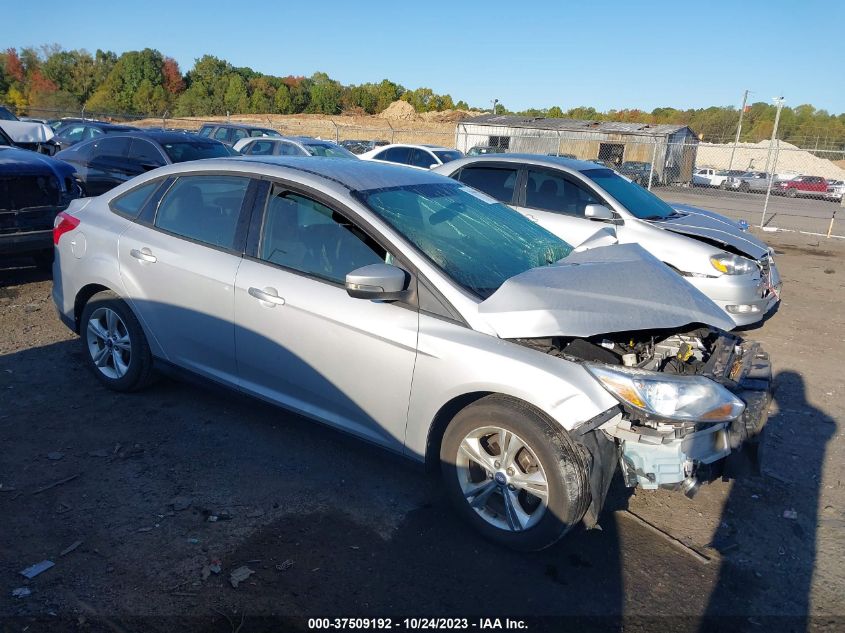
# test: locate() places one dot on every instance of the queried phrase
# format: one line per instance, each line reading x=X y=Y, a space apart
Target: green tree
x=325 y=94
x=283 y=101
x=555 y=113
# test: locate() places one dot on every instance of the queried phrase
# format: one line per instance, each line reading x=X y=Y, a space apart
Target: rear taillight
x=64 y=223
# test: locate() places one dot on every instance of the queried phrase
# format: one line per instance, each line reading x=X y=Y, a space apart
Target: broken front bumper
x=652 y=459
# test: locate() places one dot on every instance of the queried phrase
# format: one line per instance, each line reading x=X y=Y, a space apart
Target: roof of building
x=574 y=125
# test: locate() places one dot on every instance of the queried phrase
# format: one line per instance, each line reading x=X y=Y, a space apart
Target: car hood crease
x=700 y=223
x=603 y=290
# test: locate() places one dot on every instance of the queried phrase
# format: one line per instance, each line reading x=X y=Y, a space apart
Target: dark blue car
x=33 y=189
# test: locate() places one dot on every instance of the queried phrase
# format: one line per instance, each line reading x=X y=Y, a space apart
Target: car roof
x=417 y=146
x=164 y=136
x=354 y=176
x=528 y=159
x=240 y=126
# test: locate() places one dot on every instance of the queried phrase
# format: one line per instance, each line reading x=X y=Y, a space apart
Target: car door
x=556 y=202
x=179 y=269
x=107 y=165
x=302 y=341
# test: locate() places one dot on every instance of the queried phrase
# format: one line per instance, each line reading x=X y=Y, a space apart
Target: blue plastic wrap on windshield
x=477 y=241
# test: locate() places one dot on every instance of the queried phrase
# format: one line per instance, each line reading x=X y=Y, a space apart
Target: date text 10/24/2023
x=418 y=623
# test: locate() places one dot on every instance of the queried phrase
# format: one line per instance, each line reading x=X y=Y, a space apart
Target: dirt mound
x=446 y=116
x=399 y=111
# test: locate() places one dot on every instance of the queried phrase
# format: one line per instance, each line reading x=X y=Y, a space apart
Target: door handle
x=144 y=255
x=267 y=295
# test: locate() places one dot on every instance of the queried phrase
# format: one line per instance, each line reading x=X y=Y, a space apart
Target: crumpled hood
x=700 y=223
x=603 y=290
x=27 y=131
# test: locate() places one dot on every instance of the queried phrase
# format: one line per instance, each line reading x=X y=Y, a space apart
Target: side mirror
x=377 y=282
x=433 y=165
x=598 y=212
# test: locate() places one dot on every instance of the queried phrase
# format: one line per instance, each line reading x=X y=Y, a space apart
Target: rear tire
x=490 y=486
x=791 y=193
x=114 y=344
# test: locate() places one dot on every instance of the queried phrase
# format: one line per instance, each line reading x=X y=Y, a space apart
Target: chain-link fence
x=775 y=186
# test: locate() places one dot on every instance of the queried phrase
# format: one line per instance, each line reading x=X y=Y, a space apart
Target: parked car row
x=792 y=186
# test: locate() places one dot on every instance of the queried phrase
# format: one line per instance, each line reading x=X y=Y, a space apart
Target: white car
x=589 y=205
x=419 y=156
x=709 y=177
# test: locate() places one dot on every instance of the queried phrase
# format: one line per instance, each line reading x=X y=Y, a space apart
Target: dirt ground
x=331 y=527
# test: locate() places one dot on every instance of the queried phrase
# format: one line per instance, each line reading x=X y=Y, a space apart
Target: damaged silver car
x=418 y=314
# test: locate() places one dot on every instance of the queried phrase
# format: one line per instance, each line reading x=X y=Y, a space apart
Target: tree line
x=148 y=83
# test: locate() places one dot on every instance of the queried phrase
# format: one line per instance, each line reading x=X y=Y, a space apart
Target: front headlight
x=732 y=264
x=682 y=398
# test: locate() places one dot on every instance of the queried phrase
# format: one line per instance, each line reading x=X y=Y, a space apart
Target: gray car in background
x=756 y=181
x=587 y=204
x=418 y=314
x=292 y=146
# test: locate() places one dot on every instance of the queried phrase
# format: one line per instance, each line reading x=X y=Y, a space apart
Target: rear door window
x=129 y=205
x=203 y=208
x=498 y=182
x=395 y=155
x=111 y=148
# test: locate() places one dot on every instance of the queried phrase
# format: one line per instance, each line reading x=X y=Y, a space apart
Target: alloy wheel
x=502 y=478
x=109 y=343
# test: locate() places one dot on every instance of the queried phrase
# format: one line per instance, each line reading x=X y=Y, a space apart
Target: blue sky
x=610 y=54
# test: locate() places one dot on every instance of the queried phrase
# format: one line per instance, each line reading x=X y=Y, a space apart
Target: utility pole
x=738 y=129
x=495 y=103
x=769 y=174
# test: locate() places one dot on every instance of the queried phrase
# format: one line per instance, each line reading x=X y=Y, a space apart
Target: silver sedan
x=418 y=314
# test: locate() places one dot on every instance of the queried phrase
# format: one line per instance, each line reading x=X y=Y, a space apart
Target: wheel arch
x=450 y=409
x=82 y=297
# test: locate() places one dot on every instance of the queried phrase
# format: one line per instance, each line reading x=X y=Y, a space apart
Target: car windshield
x=329 y=150
x=6 y=115
x=639 y=202
x=449 y=155
x=478 y=242
x=194 y=150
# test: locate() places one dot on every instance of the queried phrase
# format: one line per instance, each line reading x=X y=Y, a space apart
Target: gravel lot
x=332 y=527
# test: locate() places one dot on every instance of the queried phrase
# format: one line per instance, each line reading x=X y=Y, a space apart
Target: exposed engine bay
x=658 y=452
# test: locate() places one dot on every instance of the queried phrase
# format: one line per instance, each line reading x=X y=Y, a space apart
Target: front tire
x=114 y=344
x=513 y=473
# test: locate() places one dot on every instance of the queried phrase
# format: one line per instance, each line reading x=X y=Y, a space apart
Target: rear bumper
x=29 y=242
